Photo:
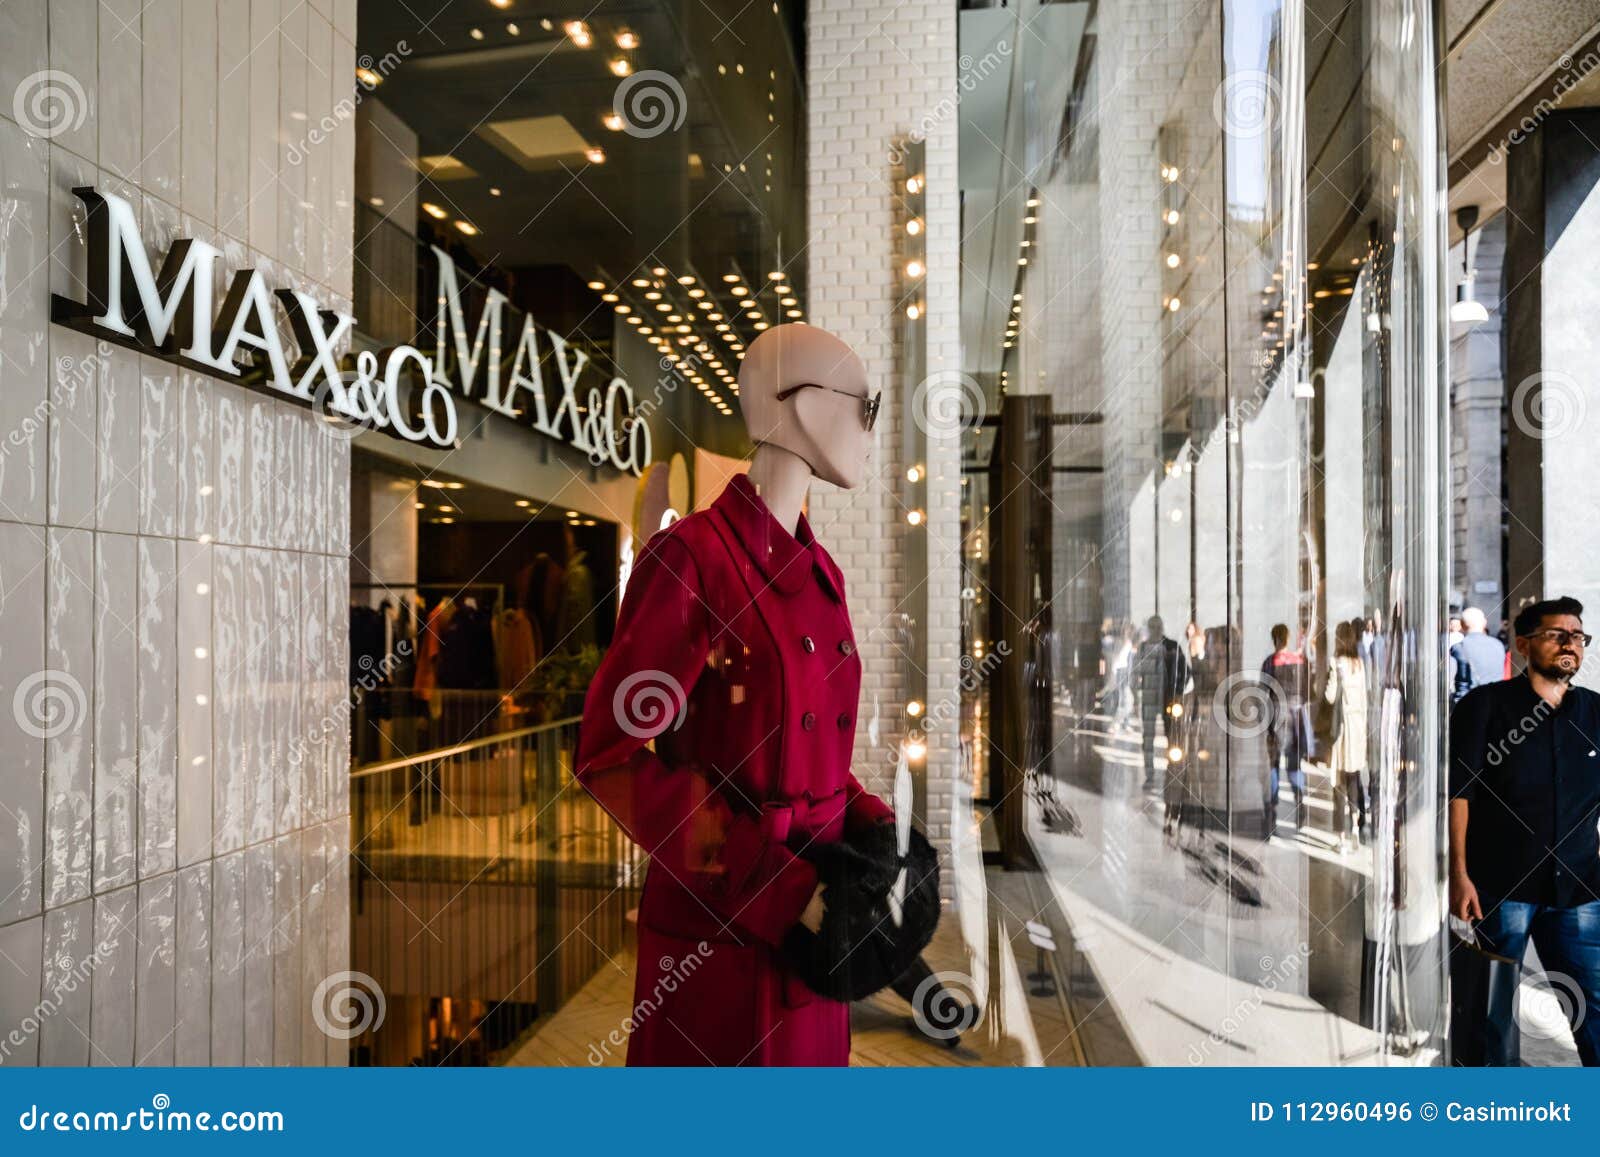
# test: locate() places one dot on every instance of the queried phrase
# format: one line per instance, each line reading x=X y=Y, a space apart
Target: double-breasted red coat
x=734 y=653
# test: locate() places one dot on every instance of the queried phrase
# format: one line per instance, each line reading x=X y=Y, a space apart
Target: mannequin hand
x=811 y=918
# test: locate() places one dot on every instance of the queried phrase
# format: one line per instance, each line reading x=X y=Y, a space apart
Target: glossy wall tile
x=165 y=539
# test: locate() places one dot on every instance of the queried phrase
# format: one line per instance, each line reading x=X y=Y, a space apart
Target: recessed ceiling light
x=468 y=228
x=434 y=211
x=597 y=285
x=578 y=32
x=627 y=41
x=476 y=34
x=613 y=122
x=619 y=66
x=494 y=190
x=595 y=154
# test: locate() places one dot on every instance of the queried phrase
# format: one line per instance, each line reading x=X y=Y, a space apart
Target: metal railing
x=486 y=887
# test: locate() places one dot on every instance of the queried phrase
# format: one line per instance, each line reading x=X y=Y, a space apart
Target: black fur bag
x=860 y=948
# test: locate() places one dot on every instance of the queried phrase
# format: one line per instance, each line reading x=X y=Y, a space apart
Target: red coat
x=734 y=652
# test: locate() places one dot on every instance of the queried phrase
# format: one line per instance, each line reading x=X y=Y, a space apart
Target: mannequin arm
x=677 y=813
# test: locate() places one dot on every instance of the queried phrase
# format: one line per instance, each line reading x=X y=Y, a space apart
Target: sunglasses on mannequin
x=869 y=404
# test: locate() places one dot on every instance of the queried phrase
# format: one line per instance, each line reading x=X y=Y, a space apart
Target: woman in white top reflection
x=1347 y=759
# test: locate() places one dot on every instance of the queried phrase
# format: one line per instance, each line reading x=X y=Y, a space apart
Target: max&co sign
x=400 y=391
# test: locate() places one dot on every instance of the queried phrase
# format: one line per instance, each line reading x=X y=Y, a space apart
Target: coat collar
x=786 y=560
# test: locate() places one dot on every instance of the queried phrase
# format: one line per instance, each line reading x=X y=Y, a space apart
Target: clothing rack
x=455 y=590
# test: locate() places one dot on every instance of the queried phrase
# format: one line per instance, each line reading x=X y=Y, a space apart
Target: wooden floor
x=1018 y=1027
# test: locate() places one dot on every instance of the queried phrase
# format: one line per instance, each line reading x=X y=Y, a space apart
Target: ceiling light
x=793 y=313
x=476 y=34
x=494 y=190
x=595 y=154
x=775 y=275
x=468 y=228
x=1170 y=216
x=1174 y=305
x=578 y=32
x=739 y=291
x=434 y=211
x=619 y=66
x=1033 y=202
x=608 y=297
x=375 y=202
x=913 y=185
x=613 y=122
x=597 y=285
x=914 y=226
x=511 y=27
x=627 y=41
x=369 y=78
x=913 y=311
x=913 y=269
x=1173 y=261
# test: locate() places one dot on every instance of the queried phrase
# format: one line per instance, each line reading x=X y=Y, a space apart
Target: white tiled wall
x=874 y=75
x=173 y=554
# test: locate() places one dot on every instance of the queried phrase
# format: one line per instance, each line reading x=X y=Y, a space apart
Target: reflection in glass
x=1218 y=437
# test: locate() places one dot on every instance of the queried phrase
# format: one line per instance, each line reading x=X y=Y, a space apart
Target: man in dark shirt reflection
x=1524 y=809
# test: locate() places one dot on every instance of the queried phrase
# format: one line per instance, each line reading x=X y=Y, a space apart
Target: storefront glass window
x=1202 y=290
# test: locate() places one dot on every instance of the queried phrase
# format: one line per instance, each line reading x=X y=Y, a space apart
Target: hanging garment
x=516 y=650
x=734 y=652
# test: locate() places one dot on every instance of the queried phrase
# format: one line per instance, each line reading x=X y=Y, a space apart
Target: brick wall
x=874 y=75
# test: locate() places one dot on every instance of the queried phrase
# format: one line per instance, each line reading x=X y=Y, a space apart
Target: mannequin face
x=803 y=389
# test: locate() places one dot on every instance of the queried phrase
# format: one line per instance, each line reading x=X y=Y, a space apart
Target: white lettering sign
x=400 y=391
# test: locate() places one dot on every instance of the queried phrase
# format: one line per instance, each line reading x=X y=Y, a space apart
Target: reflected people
x=1160 y=674
x=1288 y=727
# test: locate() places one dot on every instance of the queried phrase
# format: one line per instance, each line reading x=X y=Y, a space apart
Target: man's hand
x=1463 y=898
x=811 y=918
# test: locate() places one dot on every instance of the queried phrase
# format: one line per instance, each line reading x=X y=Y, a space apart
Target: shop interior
x=494 y=621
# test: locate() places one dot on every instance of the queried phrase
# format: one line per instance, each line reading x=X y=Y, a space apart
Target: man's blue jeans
x=1568 y=941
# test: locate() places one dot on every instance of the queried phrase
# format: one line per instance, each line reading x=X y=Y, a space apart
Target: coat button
x=844 y=721
x=846 y=647
x=809 y=644
x=808 y=721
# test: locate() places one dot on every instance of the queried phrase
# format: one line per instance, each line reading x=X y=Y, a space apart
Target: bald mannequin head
x=804 y=390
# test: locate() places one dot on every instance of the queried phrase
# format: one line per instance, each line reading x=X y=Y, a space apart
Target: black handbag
x=1483 y=995
x=1327 y=721
x=862 y=947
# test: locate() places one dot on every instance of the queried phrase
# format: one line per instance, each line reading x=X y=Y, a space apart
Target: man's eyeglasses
x=869 y=405
x=1562 y=638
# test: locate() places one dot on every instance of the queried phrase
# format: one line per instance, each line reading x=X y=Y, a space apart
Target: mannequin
x=735 y=654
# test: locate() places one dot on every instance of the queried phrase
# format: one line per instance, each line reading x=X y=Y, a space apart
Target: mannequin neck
x=782 y=478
